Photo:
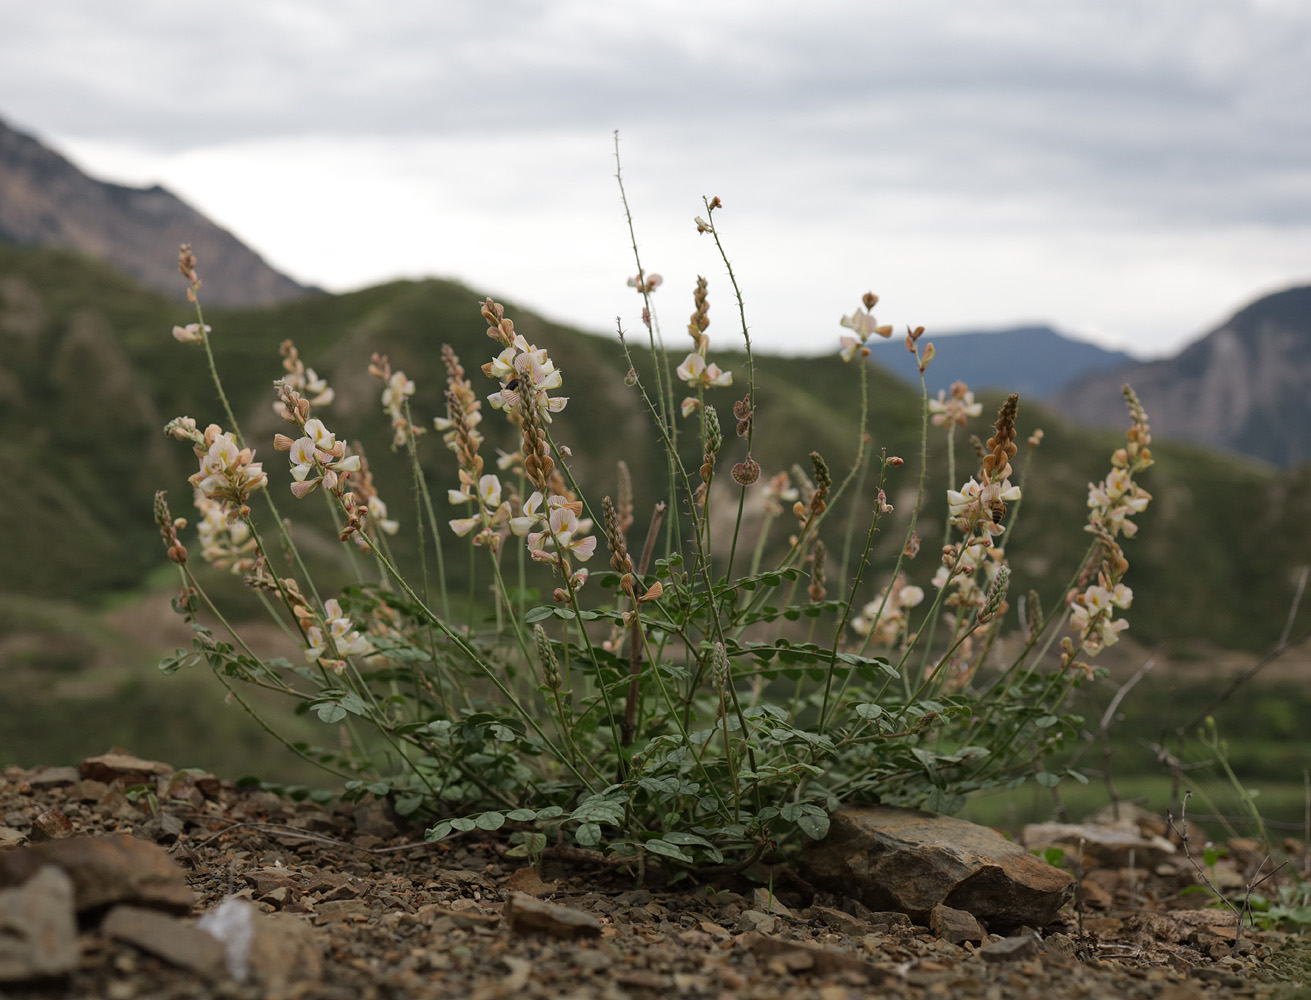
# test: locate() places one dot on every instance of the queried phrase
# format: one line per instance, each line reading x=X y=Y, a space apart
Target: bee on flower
x=527 y=373
x=975 y=505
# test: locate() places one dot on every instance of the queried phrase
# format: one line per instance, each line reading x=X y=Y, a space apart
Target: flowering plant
x=677 y=699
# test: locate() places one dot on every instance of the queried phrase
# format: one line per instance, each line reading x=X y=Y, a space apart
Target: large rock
x=1111 y=846
x=904 y=859
x=105 y=870
x=38 y=932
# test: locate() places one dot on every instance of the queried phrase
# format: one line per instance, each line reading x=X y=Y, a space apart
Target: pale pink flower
x=695 y=372
x=192 y=333
x=863 y=323
x=954 y=409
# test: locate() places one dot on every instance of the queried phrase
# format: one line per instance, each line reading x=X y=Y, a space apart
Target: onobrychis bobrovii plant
x=743 y=664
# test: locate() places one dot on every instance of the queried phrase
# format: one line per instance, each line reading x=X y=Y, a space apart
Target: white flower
x=695 y=371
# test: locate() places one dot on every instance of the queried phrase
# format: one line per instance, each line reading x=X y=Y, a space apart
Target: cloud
x=998 y=156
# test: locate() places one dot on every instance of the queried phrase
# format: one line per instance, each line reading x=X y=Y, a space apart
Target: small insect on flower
x=998 y=511
x=510 y=393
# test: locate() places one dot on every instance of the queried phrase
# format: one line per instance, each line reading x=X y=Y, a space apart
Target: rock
x=837 y=920
x=276 y=949
x=123 y=766
x=52 y=777
x=11 y=837
x=286 y=950
x=175 y=941
x=911 y=861
x=38 y=930
x=799 y=956
x=755 y=920
x=528 y=880
x=51 y=824
x=955 y=926
x=526 y=915
x=376 y=817
x=1108 y=846
x=105 y=870
x=764 y=900
x=1012 y=949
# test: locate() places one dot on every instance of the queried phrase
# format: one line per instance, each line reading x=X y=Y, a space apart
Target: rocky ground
x=346 y=902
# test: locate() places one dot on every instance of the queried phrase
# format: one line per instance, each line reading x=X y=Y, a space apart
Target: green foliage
x=1289 y=908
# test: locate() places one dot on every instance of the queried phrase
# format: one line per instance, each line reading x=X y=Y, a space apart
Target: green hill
x=89 y=375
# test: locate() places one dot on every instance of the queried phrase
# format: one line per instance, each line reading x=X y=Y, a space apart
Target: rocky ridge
x=46 y=201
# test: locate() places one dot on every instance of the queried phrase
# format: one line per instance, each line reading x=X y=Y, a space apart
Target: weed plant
x=736 y=669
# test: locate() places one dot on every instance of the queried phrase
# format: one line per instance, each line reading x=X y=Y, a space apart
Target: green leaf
x=667 y=850
x=521 y=815
x=814 y=825
x=408 y=804
x=330 y=712
x=1048 y=779
x=489 y=820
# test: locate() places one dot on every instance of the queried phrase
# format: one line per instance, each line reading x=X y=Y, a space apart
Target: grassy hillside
x=89 y=374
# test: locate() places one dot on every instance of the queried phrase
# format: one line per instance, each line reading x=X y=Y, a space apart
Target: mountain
x=1242 y=387
x=1034 y=361
x=45 y=201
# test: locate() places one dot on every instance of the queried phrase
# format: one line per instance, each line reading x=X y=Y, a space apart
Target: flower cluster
x=397 y=390
x=527 y=373
x=317 y=459
x=778 y=491
x=884 y=619
x=1111 y=504
x=646 y=285
x=863 y=325
x=364 y=503
x=962 y=565
x=304 y=380
x=224 y=543
x=560 y=533
x=694 y=370
x=980 y=505
x=331 y=637
x=492 y=512
x=228 y=474
x=954 y=409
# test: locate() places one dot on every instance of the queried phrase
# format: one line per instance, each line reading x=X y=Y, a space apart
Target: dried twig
x=1241 y=913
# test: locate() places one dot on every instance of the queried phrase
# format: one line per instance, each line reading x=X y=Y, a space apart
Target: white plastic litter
x=232 y=922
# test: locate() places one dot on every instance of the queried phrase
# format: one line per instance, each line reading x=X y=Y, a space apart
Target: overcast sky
x=1131 y=172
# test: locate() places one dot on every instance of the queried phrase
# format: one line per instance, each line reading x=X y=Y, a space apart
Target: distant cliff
x=1243 y=387
x=46 y=201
